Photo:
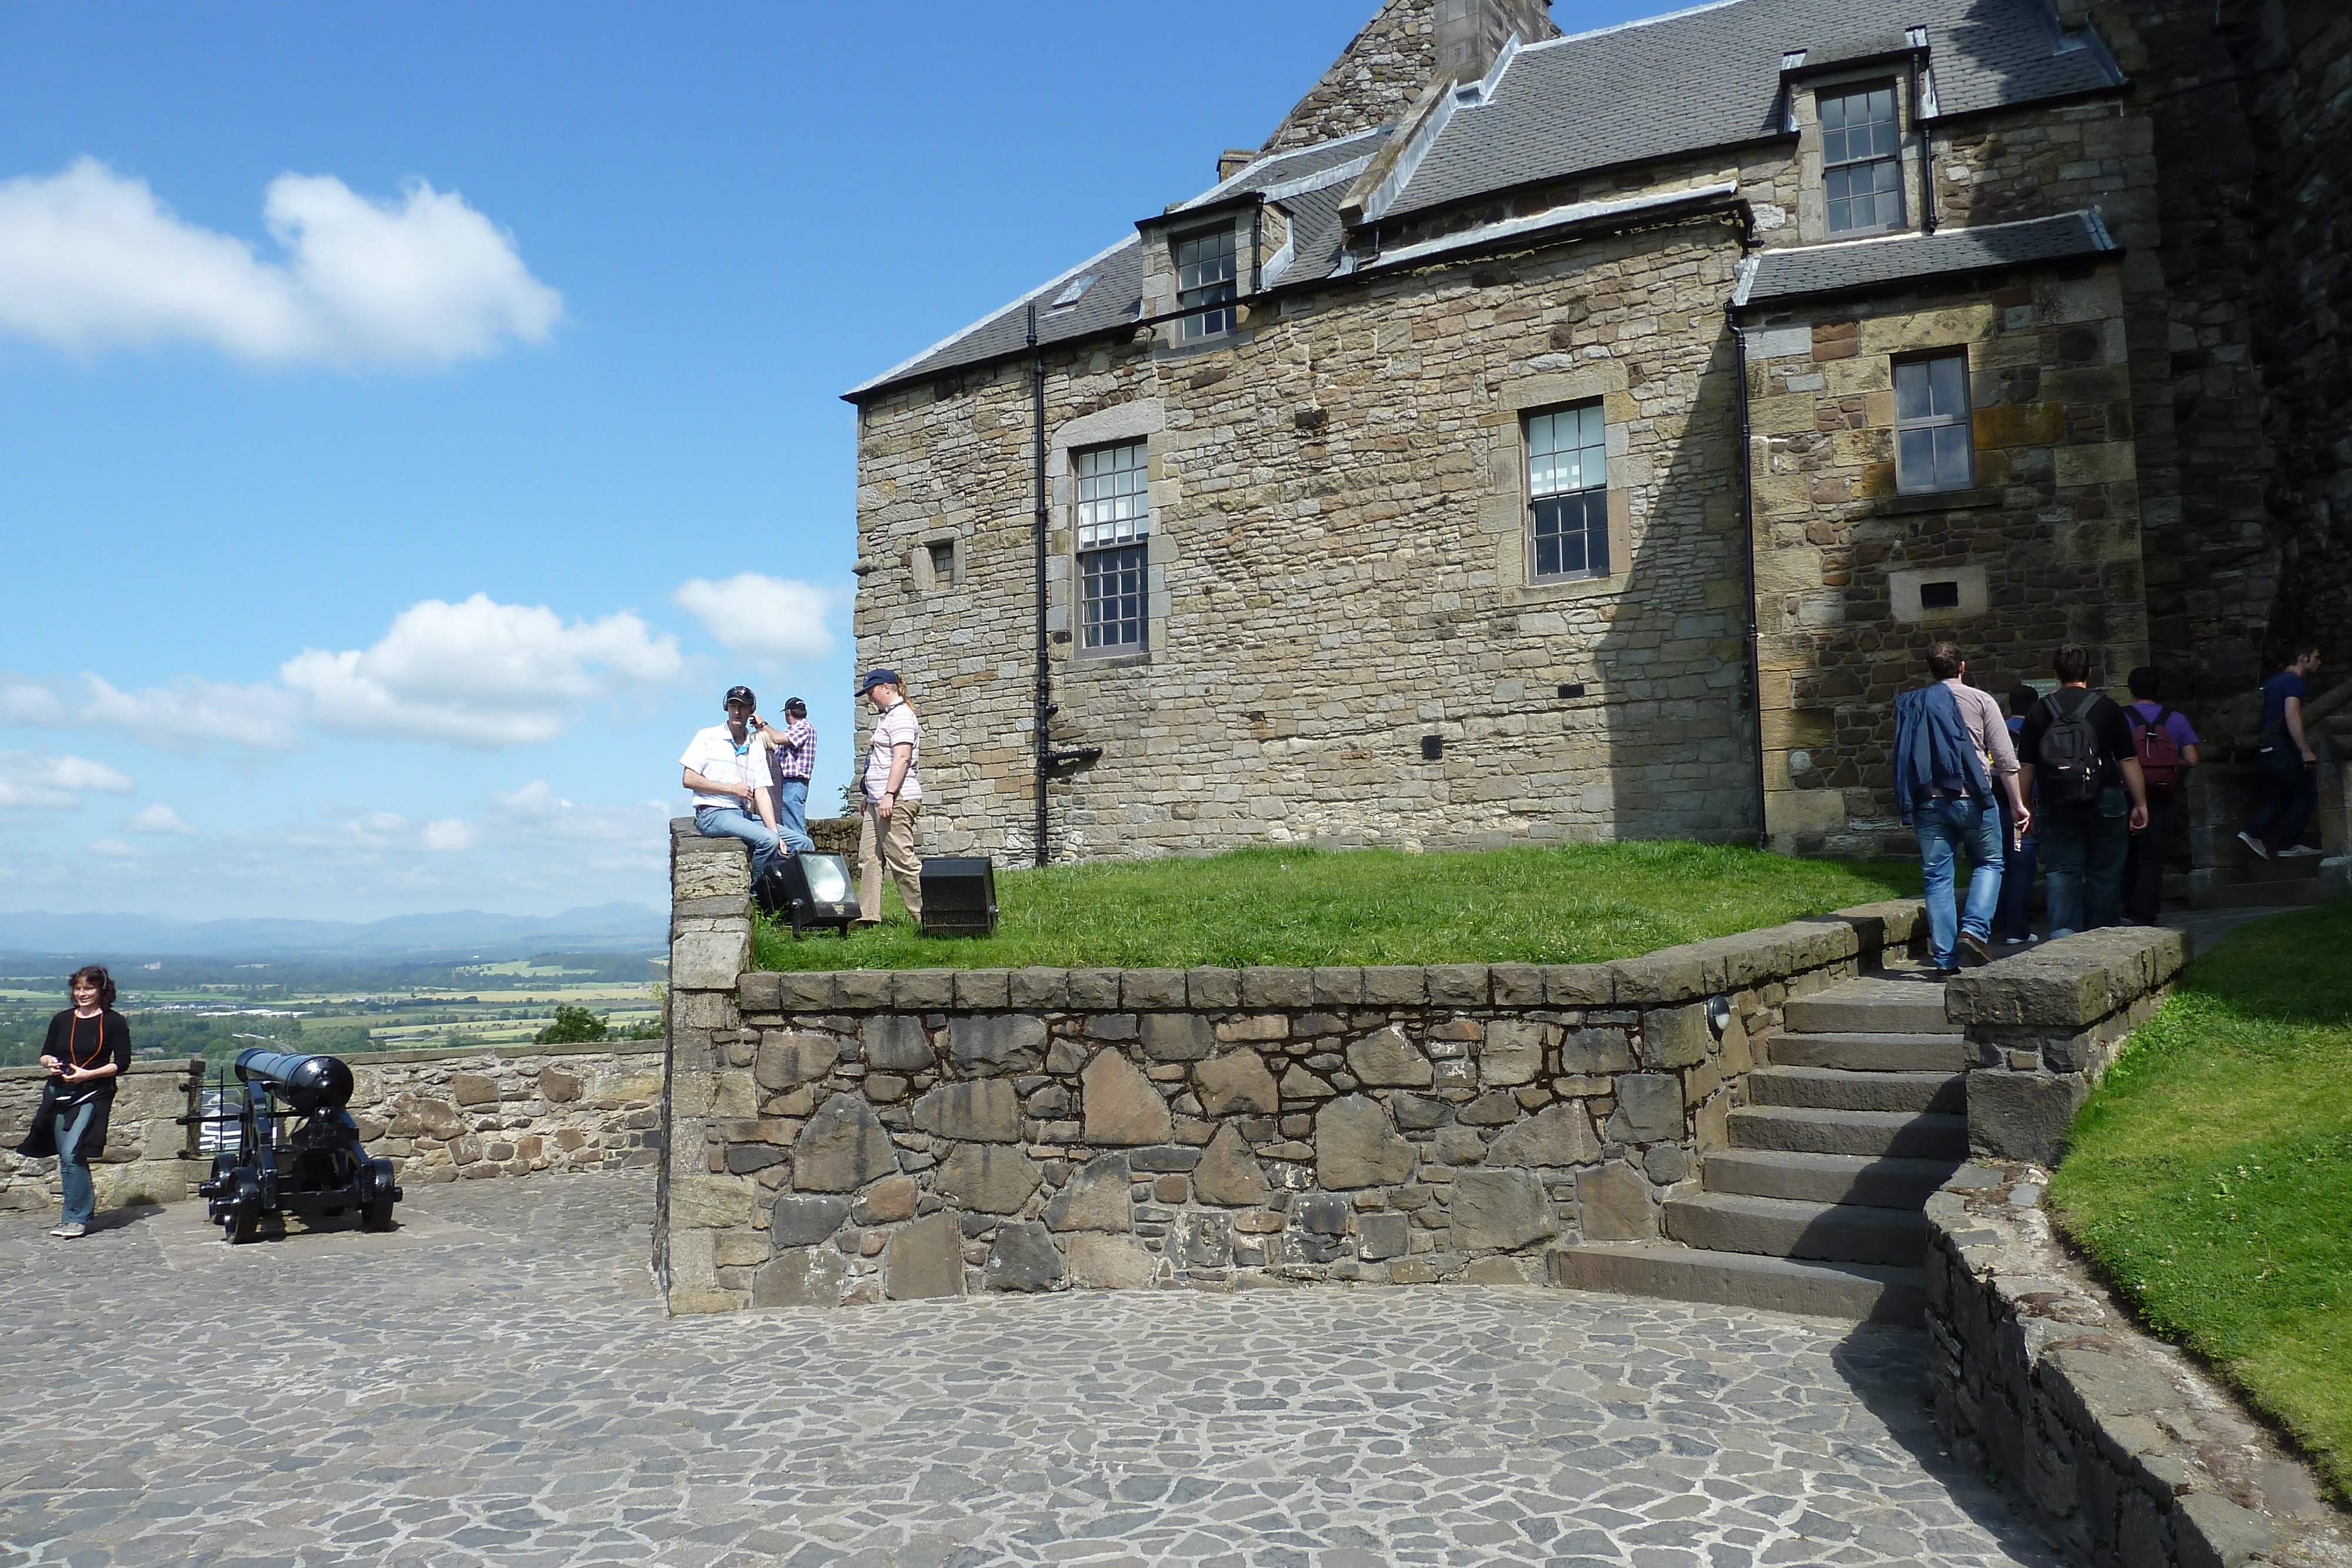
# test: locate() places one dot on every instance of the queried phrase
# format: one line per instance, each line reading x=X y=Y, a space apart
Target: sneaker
x=71 y=1231
x=2015 y=941
x=2296 y=851
x=1947 y=974
x=1975 y=946
x=2255 y=845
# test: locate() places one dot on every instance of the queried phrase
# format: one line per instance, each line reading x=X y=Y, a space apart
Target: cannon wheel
x=242 y=1224
x=377 y=1215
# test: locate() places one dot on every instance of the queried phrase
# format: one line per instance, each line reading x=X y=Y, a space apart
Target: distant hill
x=466 y=933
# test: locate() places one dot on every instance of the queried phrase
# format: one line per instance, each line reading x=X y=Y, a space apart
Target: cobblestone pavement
x=495 y=1384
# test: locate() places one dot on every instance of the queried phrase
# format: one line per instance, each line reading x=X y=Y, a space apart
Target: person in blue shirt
x=2288 y=763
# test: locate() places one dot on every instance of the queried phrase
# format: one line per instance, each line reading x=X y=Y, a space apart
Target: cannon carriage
x=297 y=1150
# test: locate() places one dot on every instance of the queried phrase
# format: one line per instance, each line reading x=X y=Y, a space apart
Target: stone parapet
x=2044 y=1026
x=2108 y=1442
x=438 y=1115
x=855 y=1137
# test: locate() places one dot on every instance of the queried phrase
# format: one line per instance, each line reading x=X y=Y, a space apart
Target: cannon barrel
x=309 y=1083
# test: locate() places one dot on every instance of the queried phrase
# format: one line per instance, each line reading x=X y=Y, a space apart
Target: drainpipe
x=1747 y=521
x=1919 y=119
x=1043 y=722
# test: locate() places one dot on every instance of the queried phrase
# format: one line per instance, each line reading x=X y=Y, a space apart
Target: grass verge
x=2211 y=1176
x=1581 y=904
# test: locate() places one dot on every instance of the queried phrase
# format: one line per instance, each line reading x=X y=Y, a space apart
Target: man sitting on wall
x=726 y=766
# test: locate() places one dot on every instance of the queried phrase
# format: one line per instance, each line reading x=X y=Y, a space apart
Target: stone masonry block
x=1151 y=990
x=1580 y=985
x=1459 y=985
x=710 y=961
x=861 y=990
x=1273 y=988
x=1669 y=975
x=982 y=989
x=1516 y=985
x=809 y=992
x=1038 y=989
x=1396 y=986
x=1212 y=988
x=1339 y=988
x=761 y=993
x=2022 y=1116
x=1094 y=991
x=923 y=990
x=1675 y=1037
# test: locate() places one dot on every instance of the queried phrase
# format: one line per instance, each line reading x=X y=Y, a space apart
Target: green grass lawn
x=1297 y=907
x=2211 y=1173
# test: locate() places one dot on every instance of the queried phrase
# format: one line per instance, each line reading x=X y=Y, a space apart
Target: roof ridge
x=1628 y=26
x=1234 y=180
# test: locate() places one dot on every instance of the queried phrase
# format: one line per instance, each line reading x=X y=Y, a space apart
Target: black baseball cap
x=795 y=704
x=742 y=694
x=879 y=678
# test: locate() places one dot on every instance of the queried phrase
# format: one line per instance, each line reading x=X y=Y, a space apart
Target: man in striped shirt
x=793 y=760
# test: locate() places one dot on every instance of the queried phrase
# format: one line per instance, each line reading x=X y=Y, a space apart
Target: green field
x=1580 y=904
x=2211 y=1176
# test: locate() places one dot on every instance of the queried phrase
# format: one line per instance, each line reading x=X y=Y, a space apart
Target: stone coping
x=1691 y=972
x=2070 y=983
x=178 y=1066
x=2113 y=1444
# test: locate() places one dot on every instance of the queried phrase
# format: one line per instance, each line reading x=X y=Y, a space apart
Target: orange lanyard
x=73 y=1028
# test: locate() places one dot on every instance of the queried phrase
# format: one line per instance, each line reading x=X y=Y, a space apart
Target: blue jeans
x=73 y=1166
x=1944 y=827
x=2015 y=922
x=2280 y=820
x=734 y=822
x=792 y=816
x=2083 y=849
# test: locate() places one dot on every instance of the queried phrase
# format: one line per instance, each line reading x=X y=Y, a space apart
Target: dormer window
x=1861 y=173
x=1204 y=276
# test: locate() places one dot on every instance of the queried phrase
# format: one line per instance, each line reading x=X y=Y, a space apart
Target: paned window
x=1114 y=531
x=1933 y=448
x=1860 y=172
x=1568 y=491
x=1205 y=276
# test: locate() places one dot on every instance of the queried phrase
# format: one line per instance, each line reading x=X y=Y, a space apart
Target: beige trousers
x=896 y=850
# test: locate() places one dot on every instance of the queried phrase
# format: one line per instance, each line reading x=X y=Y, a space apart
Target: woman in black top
x=88 y=1048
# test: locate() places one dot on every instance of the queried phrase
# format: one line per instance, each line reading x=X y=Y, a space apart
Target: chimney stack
x=1471 y=33
x=1233 y=160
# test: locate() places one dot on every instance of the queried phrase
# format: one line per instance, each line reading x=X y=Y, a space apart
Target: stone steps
x=1897 y=1134
x=1789 y=1227
x=1834 y=1089
x=1859 y=1293
x=1825 y=1178
x=1867 y=1052
x=1876 y=1005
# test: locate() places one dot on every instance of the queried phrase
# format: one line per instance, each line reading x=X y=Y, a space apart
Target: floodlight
x=811 y=890
x=959 y=897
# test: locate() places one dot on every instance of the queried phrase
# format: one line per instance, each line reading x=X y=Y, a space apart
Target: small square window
x=1862 y=174
x=943 y=554
x=1934 y=449
x=1940 y=596
x=1205 y=275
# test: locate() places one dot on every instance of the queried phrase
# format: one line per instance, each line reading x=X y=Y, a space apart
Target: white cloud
x=188 y=713
x=114 y=849
x=160 y=818
x=24 y=702
x=481 y=674
x=763 y=618
x=89 y=259
x=449 y=834
x=55 y=783
x=536 y=812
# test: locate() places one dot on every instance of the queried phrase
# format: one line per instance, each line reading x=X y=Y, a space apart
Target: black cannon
x=297 y=1150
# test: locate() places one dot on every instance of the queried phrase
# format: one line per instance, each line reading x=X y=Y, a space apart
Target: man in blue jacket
x=1950 y=746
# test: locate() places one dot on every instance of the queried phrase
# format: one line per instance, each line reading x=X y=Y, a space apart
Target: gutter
x=1042 y=720
x=1747 y=523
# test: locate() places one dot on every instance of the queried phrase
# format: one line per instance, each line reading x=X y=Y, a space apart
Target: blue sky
x=376 y=384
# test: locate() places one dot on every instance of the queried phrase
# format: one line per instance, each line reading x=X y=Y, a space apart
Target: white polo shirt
x=714 y=754
x=893 y=729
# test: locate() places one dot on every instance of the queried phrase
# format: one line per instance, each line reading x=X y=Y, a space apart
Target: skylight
x=1077 y=289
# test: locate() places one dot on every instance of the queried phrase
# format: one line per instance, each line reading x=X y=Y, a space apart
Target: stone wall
x=849 y=1137
x=2043 y=1027
x=438 y=1115
x=2107 y=1442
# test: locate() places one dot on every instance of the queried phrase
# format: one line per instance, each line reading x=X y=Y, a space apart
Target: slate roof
x=1671 y=86
x=1711 y=78
x=1855 y=266
x=1116 y=296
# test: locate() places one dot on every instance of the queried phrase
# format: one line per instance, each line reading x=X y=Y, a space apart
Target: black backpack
x=2074 y=769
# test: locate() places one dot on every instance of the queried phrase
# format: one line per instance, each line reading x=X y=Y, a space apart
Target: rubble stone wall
x=854 y=1136
x=439 y=1116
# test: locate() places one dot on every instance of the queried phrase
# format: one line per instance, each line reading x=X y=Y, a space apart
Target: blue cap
x=879 y=678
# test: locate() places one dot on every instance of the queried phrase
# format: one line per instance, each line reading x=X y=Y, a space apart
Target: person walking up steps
x=2014 y=925
x=1951 y=755
x=2077 y=750
x=2289 y=765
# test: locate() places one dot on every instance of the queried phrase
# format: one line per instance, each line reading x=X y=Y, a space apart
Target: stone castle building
x=1545 y=438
